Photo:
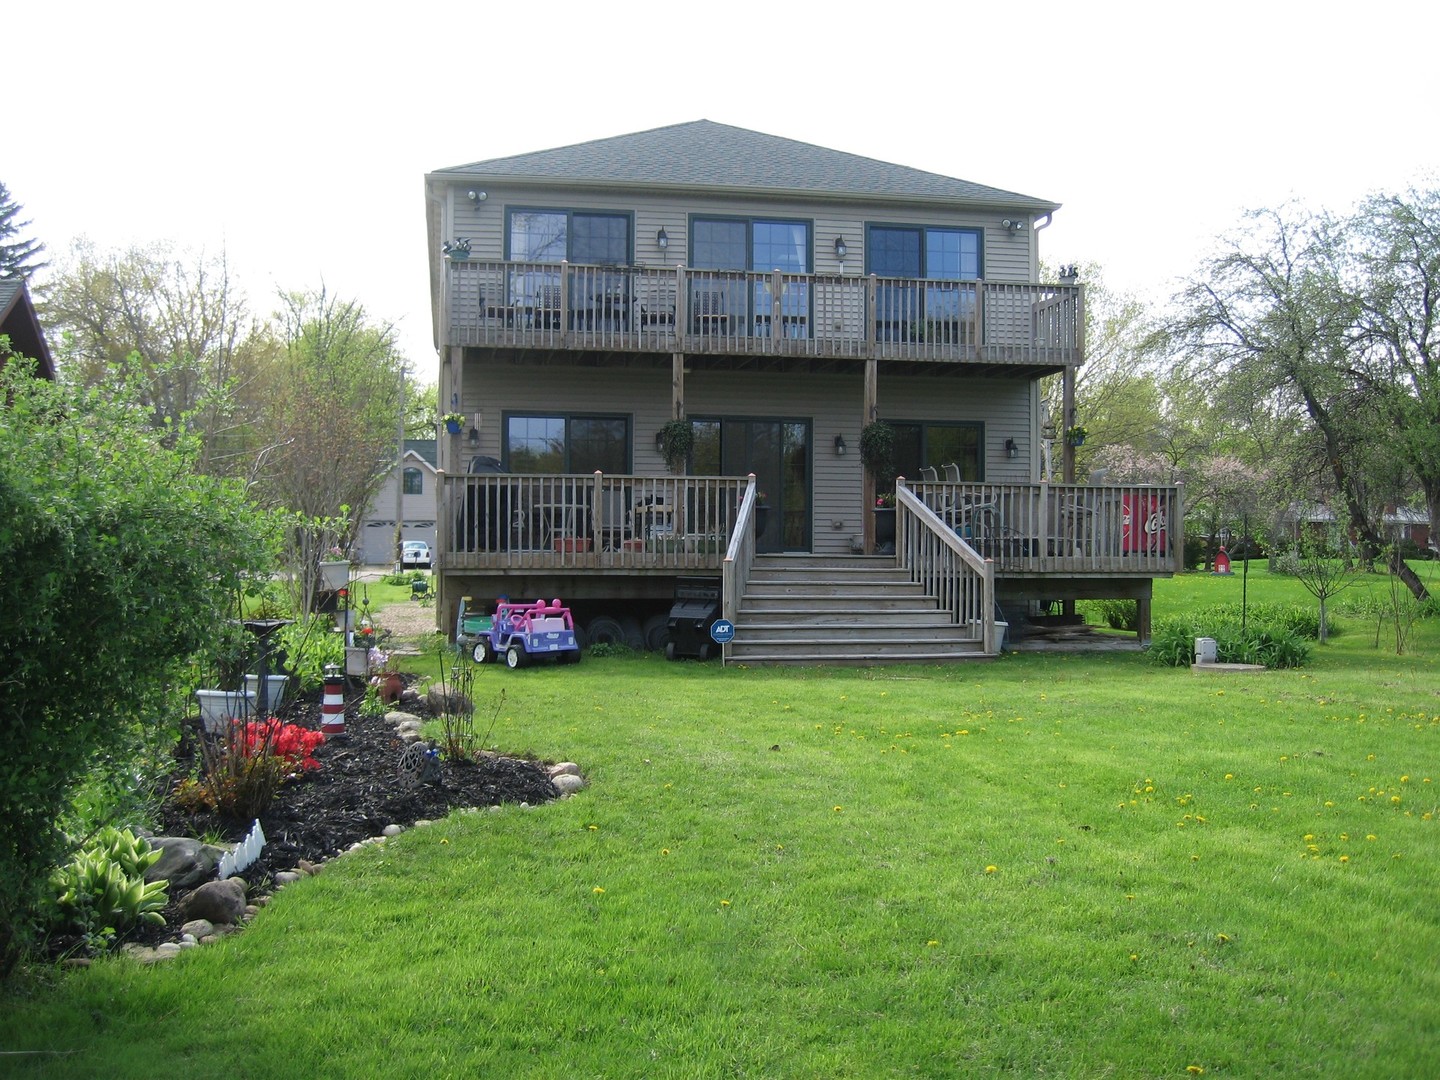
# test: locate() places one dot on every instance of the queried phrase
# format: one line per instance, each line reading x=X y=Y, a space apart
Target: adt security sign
x=721 y=631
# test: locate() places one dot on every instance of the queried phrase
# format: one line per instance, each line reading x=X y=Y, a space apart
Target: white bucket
x=219 y=707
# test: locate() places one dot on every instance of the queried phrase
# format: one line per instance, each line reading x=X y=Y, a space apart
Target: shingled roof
x=704 y=154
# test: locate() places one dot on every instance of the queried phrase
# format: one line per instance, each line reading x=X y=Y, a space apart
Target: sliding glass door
x=778 y=453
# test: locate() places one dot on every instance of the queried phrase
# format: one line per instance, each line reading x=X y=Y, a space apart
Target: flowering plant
x=365 y=635
x=291 y=743
x=334 y=551
x=886 y=501
x=452 y=418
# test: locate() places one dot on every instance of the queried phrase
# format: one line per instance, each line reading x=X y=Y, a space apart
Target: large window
x=936 y=444
x=750 y=244
x=575 y=235
x=412 y=481
x=911 y=312
x=566 y=444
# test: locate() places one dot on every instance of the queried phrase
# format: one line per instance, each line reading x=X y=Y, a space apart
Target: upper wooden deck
x=560 y=306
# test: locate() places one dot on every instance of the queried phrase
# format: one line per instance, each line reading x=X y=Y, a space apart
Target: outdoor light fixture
x=477 y=196
x=473 y=438
x=662 y=239
x=1012 y=448
x=659 y=441
x=1013 y=224
x=839 y=445
x=840 y=248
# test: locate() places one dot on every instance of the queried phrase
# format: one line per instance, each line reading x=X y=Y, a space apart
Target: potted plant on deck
x=877 y=454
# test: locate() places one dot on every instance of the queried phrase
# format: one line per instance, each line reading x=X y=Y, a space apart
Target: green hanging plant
x=877 y=449
x=676 y=439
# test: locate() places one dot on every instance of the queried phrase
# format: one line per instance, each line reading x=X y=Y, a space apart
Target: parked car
x=415 y=555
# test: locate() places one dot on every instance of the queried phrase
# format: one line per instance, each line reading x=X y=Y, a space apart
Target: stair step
x=890 y=621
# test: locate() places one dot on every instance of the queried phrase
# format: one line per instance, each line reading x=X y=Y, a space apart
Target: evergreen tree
x=18 y=255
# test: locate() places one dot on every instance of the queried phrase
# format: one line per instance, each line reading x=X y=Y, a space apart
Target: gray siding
x=1007 y=256
x=832 y=404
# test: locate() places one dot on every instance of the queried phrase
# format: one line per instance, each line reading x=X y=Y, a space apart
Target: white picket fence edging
x=245 y=853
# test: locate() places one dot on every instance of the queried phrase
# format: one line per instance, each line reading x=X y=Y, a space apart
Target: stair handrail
x=739 y=558
x=924 y=544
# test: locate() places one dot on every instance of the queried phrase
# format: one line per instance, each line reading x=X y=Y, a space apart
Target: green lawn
x=1047 y=865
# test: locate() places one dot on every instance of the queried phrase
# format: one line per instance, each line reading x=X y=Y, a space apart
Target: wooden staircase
x=816 y=609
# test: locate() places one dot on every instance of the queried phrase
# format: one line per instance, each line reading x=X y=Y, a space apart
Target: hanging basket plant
x=1075 y=436
x=877 y=449
x=676 y=439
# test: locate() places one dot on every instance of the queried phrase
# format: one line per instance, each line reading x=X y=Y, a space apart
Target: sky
x=294 y=137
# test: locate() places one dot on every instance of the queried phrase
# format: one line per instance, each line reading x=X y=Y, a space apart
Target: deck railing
x=739 y=558
x=612 y=522
x=597 y=521
x=948 y=568
x=1064 y=528
x=669 y=309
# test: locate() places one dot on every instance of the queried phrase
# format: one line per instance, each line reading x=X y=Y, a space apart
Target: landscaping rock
x=564 y=768
x=217 y=901
x=395 y=718
x=567 y=783
x=198 y=928
x=442 y=700
x=183 y=862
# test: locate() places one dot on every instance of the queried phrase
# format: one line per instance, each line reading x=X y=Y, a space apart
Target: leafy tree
x=1397 y=245
x=334 y=411
x=118 y=560
x=18 y=255
x=181 y=318
x=1272 y=318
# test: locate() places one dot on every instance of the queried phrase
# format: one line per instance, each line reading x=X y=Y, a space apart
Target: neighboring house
x=776 y=297
x=416 y=480
x=1398 y=524
x=19 y=322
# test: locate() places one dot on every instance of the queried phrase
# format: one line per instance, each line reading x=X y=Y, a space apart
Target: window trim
x=570 y=212
x=567 y=417
x=750 y=221
x=978 y=426
x=976 y=230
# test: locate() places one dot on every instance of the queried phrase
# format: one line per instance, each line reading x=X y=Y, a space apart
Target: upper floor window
x=573 y=235
x=743 y=244
x=924 y=252
x=412 y=481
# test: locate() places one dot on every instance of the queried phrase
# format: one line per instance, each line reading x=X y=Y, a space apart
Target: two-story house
x=775 y=299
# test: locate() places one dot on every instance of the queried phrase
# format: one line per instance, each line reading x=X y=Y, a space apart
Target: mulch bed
x=355 y=793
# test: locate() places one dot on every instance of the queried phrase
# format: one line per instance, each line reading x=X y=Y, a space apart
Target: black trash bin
x=696 y=607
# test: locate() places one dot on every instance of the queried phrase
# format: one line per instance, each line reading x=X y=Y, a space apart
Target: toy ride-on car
x=523 y=632
x=472 y=631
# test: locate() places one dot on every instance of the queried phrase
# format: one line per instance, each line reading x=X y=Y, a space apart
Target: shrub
x=1269 y=638
x=244 y=769
x=1116 y=614
x=115 y=568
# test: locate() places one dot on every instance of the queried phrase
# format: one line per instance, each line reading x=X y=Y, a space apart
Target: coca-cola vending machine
x=1142 y=523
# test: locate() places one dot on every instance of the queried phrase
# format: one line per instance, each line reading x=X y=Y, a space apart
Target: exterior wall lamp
x=473 y=438
x=660 y=442
x=476 y=197
x=840 y=249
x=1013 y=224
x=840 y=446
x=662 y=239
x=1012 y=448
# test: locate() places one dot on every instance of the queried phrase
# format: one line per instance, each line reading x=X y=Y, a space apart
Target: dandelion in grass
x=839 y=809
x=598 y=891
x=931 y=943
x=1404 y=779
x=1194 y=1070
x=1344 y=858
x=664 y=851
x=1229 y=776
x=991 y=869
x=724 y=903
x=1371 y=836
